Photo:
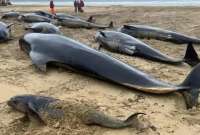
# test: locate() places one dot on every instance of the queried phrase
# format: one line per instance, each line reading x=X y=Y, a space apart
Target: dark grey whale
x=64 y=15
x=52 y=48
x=10 y=15
x=33 y=18
x=125 y=44
x=79 y=23
x=34 y=106
x=143 y=31
x=43 y=27
x=45 y=14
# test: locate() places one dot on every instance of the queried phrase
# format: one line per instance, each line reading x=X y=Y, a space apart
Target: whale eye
x=15 y=102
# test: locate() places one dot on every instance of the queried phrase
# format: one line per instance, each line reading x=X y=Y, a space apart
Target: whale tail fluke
x=132 y=118
x=100 y=119
x=191 y=56
x=191 y=93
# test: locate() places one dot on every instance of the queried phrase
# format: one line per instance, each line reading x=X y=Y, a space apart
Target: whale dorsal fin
x=191 y=57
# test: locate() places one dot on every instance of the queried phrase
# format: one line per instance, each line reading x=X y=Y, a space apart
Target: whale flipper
x=130 y=50
x=39 y=60
x=33 y=113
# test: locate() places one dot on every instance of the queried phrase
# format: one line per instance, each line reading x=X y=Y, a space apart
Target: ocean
x=114 y=2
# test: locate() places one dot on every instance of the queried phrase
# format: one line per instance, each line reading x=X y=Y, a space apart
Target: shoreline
x=128 y=4
x=60 y=7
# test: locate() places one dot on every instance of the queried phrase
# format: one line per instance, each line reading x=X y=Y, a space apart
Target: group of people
x=78 y=6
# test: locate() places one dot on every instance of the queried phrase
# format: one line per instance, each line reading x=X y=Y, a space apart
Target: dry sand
x=166 y=112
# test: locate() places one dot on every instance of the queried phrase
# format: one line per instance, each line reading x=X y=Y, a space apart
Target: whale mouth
x=17 y=104
x=24 y=46
x=12 y=103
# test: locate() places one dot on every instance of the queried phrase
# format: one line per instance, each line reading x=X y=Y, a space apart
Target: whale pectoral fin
x=39 y=60
x=130 y=50
x=33 y=113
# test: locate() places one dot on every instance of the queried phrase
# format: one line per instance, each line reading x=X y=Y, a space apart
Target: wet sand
x=166 y=112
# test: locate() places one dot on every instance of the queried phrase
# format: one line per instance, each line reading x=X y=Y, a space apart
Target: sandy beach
x=166 y=112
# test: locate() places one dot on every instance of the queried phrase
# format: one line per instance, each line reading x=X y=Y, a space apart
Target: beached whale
x=79 y=23
x=45 y=14
x=37 y=107
x=125 y=44
x=5 y=31
x=10 y=15
x=64 y=15
x=143 y=31
x=43 y=27
x=52 y=48
x=60 y=16
x=32 y=18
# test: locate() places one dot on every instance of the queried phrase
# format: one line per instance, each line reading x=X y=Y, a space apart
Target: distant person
x=8 y=2
x=82 y=4
x=52 y=7
x=78 y=5
x=3 y=2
